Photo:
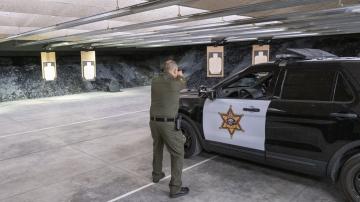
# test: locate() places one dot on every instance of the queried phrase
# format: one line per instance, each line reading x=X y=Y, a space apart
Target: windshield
x=231 y=77
x=249 y=80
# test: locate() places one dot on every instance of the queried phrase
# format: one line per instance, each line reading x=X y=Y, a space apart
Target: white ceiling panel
x=55 y=34
x=214 y=21
x=64 y=8
x=11 y=30
x=162 y=13
x=50 y=9
x=155 y=29
x=98 y=3
x=103 y=25
x=30 y=20
x=15 y=30
x=221 y=4
x=103 y=36
x=33 y=20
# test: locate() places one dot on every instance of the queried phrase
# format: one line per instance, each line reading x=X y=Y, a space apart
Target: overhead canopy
x=140 y=23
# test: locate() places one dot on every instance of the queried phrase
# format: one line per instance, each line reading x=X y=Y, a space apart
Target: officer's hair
x=170 y=65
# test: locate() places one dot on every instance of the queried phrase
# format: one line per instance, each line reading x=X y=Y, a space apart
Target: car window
x=343 y=91
x=249 y=80
x=254 y=85
x=303 y=84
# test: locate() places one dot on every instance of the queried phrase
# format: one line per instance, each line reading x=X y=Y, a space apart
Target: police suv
x=299 y=113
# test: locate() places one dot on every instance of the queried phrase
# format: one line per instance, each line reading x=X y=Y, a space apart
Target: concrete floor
x=97 y=147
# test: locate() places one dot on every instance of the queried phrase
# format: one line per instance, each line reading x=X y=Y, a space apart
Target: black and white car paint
x=296 y=114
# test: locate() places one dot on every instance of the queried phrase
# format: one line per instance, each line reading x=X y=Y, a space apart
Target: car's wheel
x=349 y=181
x=192 y=146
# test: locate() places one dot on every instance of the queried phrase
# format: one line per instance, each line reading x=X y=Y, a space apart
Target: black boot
x=183 y=191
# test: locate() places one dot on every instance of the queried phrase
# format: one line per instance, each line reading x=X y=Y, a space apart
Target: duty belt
x=162 y=119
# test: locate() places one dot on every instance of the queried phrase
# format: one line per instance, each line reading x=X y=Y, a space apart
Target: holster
x=178 y=122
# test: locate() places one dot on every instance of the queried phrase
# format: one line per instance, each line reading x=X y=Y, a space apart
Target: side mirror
x=210 y=94
x=206 y=93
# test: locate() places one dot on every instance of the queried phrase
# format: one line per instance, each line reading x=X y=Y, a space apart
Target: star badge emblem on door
x=231 y=121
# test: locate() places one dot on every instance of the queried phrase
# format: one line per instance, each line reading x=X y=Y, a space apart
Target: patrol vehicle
x=299 y=113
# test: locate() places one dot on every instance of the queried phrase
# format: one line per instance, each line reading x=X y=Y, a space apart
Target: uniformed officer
x=165 y=93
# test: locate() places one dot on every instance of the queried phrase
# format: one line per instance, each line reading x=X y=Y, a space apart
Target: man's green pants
x=165 y=133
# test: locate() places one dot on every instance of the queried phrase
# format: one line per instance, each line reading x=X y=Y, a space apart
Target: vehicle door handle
x=344 y=115
x=251 y=109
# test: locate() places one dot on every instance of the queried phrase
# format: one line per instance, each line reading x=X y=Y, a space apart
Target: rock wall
x=20 y=77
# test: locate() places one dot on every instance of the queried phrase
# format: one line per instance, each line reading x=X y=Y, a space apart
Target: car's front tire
x=349 y=180
x=192 y=145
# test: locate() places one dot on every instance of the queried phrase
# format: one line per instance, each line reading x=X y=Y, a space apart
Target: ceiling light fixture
x=357 y=10
x=241 y=39
x=295 y=35
x=266 y=31
x=268 y=23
